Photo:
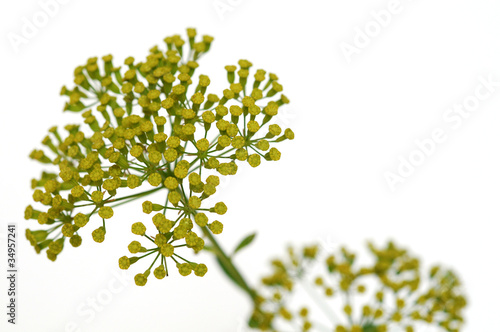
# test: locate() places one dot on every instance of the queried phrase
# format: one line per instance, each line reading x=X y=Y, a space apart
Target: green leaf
x=245 y=242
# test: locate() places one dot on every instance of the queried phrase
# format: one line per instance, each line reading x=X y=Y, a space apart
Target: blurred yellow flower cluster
x=391 y=292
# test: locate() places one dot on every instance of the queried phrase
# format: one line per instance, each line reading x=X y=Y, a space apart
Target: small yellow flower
x=81 y=219
x=155 y=157
x=99 y=234
x=181 y=171
x=216 y=227
x=274 y=154
x=75 y=240
x=167 y=250
x=133 y=181
x=170 y=155
x=219 y=208
x=213 y=180
x=97 y=196
x=154 y=179
x=68 y=230
x=171 y=183
x=140 y=279
x=124 y=263
x=138 y=228
x=200 y=270
x=147 y=207
x=253 y=126
x=202 y=144
x=184 y=269
x=106 y=212
x=174 y=197
x=194 y=202
x=134 y=247
x=254 y=160
x=77 y=191
x=194 y=179
x=160 y=272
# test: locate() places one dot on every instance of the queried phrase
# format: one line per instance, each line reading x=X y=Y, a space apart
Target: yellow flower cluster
x=153 y=123
x=390 y=293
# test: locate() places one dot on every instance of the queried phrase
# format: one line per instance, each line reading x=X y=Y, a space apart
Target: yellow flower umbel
x=153 y=126
x=391 y=294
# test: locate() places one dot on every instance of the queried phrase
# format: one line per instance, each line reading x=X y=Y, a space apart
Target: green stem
x=138 y=195
x=228 y=264
x=225 y=260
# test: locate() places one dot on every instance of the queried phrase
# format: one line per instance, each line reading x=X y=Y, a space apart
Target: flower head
x=393 y=290
x=151 y=126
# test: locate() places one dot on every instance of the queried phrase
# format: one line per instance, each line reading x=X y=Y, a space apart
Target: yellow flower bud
x=201 y=219
x=171 y=183
x=194 y=202
x=174 y=197
x=75 y=240
x=253 y=126
x=97 y=196
x=173 y=141
x=213 y=179
x=147 y=207
x=200 y=270
x=138 y=228
x=154 y=157
x=133 y=181
x=181 y=171
x=124 y=263
x=134 y=247
x=68 y=230
x=254 y=160
x=154 y=179
x=99 y=234
x=160 y=272
x=81 y=219
x=140 y=279
x=216 y=227
x=208 y=116
x=77 y=191
x=170 y=155
x=238 y=142
x=262 y=145
x=105 y=212
x=202 y=144
x=219 y=208
x=167 y=250
x=209 y=189
x=184 y=269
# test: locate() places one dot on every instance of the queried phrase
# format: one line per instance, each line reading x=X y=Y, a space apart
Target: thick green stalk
x=228 y=265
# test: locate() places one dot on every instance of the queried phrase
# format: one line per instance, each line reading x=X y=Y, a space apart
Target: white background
x=352 y=121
